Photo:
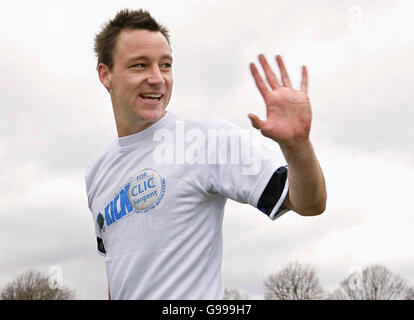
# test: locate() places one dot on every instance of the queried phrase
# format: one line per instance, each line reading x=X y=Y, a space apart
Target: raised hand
x=288 y=110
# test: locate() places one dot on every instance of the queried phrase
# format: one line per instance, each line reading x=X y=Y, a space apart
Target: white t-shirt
x=157 y=199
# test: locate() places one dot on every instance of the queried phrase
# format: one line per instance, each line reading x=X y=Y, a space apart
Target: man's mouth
x=151 y=97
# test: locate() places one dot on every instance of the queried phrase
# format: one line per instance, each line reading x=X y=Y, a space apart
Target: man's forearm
x=307 y=191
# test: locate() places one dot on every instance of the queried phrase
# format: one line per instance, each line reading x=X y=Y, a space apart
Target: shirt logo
x=141 y=194
x=146 y=190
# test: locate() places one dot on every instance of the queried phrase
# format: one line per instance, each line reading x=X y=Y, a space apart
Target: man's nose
x=156 y=76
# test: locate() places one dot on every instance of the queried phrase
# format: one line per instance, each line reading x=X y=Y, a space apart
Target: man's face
x=141 y=79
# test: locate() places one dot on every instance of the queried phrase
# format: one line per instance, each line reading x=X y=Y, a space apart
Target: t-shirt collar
x=147 y=132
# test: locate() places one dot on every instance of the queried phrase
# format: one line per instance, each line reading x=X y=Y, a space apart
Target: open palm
x=288 y=110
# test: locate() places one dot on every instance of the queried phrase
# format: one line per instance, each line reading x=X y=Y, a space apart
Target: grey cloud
x=369 y=109
x=52 y=122
x=359 y=100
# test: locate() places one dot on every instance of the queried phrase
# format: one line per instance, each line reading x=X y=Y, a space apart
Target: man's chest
x=142 y=187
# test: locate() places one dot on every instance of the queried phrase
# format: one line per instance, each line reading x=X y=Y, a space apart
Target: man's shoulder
x=206 y=122
x=97 y=159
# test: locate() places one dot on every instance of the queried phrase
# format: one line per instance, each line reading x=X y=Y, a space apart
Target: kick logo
x=142 y=193
x=146 y=190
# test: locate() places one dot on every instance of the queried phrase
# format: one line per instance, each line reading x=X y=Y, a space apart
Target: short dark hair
x=125 y=19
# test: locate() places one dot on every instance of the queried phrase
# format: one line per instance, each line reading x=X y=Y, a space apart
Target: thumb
x=256 y=122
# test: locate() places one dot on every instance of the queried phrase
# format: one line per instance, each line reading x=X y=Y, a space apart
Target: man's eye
x=166 y=65
x=139 y=65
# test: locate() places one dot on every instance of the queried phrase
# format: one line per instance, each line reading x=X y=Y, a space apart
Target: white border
x=273 y=214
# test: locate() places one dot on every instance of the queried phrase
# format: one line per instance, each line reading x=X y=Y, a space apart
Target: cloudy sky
x=56 y=114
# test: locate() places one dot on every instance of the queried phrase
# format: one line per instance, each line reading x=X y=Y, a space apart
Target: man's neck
x=127 y=130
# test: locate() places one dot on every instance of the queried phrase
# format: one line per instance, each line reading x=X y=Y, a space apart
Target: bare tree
x=32 y=285
x=294 y=282
x=409 y=294
x=374 y=283
x=234 y=294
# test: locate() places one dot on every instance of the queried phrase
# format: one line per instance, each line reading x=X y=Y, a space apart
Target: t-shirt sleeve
x=242 y=167
x=275 y=192
x=98 y=219
x=99 y=239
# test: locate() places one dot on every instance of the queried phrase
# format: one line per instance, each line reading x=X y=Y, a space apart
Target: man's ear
x=104 y=76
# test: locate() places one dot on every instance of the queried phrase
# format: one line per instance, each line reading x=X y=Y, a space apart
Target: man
x=157 y=192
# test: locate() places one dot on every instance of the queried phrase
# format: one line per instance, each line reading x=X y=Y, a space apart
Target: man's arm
x=288 y=123
x=307 y=190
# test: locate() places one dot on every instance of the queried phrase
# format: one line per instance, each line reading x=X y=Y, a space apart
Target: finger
x=304 y=83
x=270 y=75
x=283 y=72
x=256 y=122
x=261 y=85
